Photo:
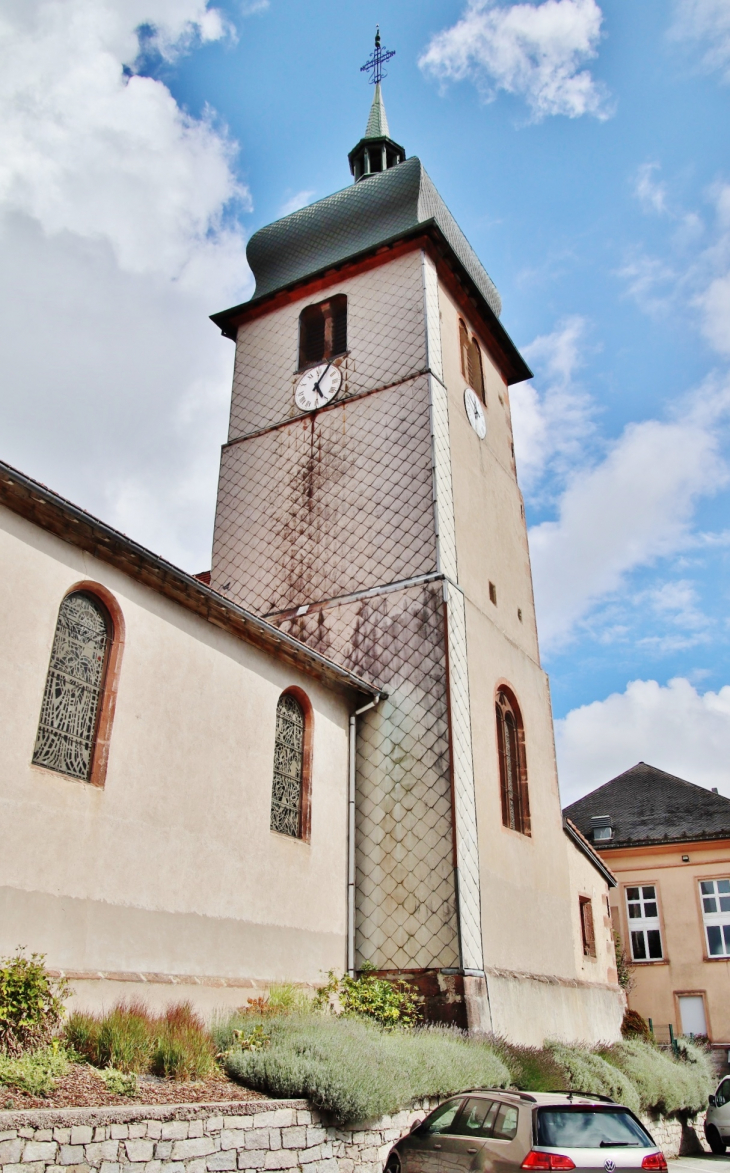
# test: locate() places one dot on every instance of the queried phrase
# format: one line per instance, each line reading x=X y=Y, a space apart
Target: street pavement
x=704 y=1164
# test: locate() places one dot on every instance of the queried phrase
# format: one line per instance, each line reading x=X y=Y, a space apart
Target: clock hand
x=319 y=380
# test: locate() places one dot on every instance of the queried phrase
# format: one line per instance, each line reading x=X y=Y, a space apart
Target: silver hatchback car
x=496 y=1131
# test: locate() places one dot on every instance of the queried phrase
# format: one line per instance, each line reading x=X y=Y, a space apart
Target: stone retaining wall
x=217 y=1138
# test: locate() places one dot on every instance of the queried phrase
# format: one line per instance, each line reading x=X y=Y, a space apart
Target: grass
x=131 y=1039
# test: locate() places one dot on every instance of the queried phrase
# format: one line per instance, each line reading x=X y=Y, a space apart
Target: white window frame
x=716 y=892
x=641 y=924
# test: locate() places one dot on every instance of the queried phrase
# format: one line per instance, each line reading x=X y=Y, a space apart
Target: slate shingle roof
x=648 y=806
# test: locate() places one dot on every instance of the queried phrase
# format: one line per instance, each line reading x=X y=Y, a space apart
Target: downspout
x=351 y=838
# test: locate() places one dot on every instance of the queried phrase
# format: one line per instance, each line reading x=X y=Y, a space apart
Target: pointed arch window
x=471 y=360
x=78 y=700
x=512 y=764
x=290 y=804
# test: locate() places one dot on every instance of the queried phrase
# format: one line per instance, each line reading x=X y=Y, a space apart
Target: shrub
x=587 y=1071
x=634 y=1026
x=182 y=1049
x=119 y=1083
x=37 y=1071
x=624 y=968
x=531 y=1069
x=356 y=1070
x=125 y=1040
x=387 y=1002
x=31 y=1003
x=663 y=1084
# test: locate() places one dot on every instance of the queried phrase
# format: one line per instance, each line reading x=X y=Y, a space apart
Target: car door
x=721 y=1114
x=503 y=1152
x=461 y=1147
x=420 y=1151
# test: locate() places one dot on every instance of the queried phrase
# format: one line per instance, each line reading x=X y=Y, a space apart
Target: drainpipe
x=351 y=839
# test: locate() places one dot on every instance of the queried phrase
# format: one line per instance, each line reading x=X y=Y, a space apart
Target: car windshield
x=589 y=1128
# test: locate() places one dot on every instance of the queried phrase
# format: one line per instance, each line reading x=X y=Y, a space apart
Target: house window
x=323 y=331
x=290 y=793
x=587 y=927
x=512 y=764
x=602 y=828
x=646 y=937
x=715 y=896
x=69 y=719
x=471 y=361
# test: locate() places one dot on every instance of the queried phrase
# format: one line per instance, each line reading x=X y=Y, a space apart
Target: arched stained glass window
x=512 y=767
x=74 y=687
x=286 y=793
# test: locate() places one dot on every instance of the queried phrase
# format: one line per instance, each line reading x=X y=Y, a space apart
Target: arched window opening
x=323 y=331
x=471 y=360
x=290 y=803
x=72 y=700
x=512 y=765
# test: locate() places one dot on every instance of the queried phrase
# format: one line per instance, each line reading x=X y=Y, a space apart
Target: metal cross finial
x=378 y=59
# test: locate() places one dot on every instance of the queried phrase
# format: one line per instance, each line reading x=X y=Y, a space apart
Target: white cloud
x=706 y=21
x=532 y=50
x=116 y=243
x=551 y=416
x=300 y=199
x=674 y=728
x=652 y=195
x=626 y=511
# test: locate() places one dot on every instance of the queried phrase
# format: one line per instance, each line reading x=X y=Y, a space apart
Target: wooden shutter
x=587 y=926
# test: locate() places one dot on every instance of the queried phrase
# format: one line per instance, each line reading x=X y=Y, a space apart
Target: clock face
x=317 y=386
x=475 y=412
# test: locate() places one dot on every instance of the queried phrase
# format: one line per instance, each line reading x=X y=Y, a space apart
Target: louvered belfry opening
x=74 y=686
x=512 y=764
x=323 y=331
x=471 y=361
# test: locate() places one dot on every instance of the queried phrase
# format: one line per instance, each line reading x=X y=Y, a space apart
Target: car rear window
x=589 y=1128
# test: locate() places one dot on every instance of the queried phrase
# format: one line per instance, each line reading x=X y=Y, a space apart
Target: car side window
x=722 y=1096
x=440 y=1120
x=505 y=1126
x=477 y=1118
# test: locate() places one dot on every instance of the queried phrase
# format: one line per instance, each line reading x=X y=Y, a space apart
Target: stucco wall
x=686 y=967
x=586 y=881
x=172 y=867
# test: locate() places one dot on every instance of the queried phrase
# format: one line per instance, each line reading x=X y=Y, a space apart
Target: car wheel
x=714 y=1140
x=393 y=1164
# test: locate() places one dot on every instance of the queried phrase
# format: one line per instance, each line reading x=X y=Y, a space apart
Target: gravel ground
x=83 y=1087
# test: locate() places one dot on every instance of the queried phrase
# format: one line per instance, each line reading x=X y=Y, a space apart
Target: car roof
x=567 y=1099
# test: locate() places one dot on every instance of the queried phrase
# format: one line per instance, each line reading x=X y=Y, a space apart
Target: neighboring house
x=668 y=843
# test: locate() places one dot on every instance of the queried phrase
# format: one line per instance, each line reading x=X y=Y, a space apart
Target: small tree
x=624 y=968
x=31 y=1002
x=389 y=1003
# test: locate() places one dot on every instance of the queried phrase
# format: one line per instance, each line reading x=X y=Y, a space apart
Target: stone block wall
x=267 y=1135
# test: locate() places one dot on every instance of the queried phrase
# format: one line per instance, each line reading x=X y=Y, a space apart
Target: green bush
x=386 y=1002
x=663 y=1084
x=531 y=1069
x=35 y=1071
x=31 y=1003
x=355 y=1070
x=587 y=1071
x=119 y=1083
x=634 y=1026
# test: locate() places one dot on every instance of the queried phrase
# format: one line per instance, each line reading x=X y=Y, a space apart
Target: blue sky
x=582 y=146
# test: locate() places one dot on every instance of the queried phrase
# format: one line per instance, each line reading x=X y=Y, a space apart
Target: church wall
x=171 y=868
x=585 y=880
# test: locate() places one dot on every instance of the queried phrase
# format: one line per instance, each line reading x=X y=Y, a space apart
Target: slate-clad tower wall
x=331 y=524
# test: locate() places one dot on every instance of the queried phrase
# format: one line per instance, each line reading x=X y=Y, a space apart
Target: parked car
x=495 y=1131
x=717 y=1120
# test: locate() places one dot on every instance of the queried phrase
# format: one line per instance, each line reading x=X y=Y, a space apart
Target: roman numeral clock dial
x=318 y=386
x=475 y=412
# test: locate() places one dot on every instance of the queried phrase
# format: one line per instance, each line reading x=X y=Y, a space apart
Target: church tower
x=369 y=506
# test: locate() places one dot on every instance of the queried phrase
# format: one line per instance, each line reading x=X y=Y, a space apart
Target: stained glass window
x=286 y=793
x=67 y=728
x=513 y=774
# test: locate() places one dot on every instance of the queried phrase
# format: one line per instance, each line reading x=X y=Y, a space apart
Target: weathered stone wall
x=220 y=1138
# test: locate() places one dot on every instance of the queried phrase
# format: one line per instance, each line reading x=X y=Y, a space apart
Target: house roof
x=647 y=806
x=588 y=851
x=36 y=503
x=360 y=220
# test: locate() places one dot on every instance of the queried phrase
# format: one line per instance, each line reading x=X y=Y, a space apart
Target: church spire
x=376 y=151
